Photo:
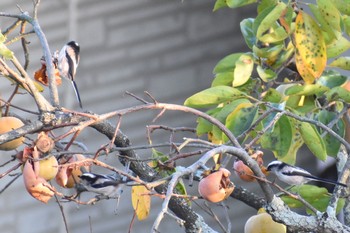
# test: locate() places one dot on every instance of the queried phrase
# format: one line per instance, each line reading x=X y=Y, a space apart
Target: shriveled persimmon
x=243 y=171
x=217 y=186
x=68 y=176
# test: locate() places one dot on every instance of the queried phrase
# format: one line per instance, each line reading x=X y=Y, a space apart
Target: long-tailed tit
x=295 y=175
x=105 y=185
x=68 y=60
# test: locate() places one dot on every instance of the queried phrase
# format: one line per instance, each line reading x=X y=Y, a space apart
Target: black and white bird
x=105 y=185
x=68 y=61
x=295 y=175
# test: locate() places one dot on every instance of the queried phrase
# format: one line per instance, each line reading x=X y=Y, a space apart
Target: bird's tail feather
x=327 y=181
x=75 y=87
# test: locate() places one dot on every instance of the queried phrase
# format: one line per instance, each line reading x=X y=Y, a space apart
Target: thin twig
x=227 y=216
x=9 y=183
x=10 y=170
x=133 y=217
x=136 y=97
x=151 y=97
x=21 y=36
x=11 y=27
x=10 y=99
x=111 y=143
x=36 y=6
x=24 y=43
x=215 y=217
x=62 y=213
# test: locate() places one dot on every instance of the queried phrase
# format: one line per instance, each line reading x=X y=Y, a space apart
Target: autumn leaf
x=41 y=76
x=141 y=201
x=311 y=56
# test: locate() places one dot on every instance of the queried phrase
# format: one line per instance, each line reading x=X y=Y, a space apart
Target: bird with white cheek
x=106 y=185
x=68 y=61
x=293 y=175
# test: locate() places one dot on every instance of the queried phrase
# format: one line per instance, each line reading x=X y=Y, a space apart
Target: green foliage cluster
x=292 y=68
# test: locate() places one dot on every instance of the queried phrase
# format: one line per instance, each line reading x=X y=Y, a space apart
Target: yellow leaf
x=311 y=56
x=217 y=158
x=141 y=201
x=302 y=69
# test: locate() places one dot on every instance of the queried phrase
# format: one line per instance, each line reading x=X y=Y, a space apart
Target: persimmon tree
x=286 y=91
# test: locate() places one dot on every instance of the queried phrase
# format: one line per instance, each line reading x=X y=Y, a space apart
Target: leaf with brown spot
x=311 y=56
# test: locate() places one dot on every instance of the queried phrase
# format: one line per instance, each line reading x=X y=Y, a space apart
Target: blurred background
x=168 y=48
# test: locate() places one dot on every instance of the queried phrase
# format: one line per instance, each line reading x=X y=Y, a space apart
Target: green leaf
x=342 y=5
x=261 y=17
x=224 y=112
x=330 y=13
x=219 y=4
x=2 y=38
x=213 y=96
x=337 y=47
x=38 y=86
x=181 y=189
x=156 y=154
x=313 y=140
x=266 y=75
x=346 y=22
x=337 y=93
x=270 y=19
x=332 y=144
x=227 y=64
x=284 y=56
x=243 y=70
x=239 y=3
x=291 y=202
x=263 y=4
x=272 y=96
x=5 y=52
x=252 y=86
x=241 y=119
x=276 y=35
x=318 y=197
x=272 y=53
x=331 y=78
x=223 y=79
x=341 y=62
x=329 y=32
x=296 y=143
x=302 y=104
x=279 y=140
x=306 y=89
x=247 y=31
x=204 y=126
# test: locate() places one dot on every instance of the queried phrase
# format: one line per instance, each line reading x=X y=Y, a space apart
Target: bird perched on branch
x=68 y=61
x=105 y=185
x=293 y=175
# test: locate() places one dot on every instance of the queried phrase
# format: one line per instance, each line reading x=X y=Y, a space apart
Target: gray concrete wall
x=167 y=48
